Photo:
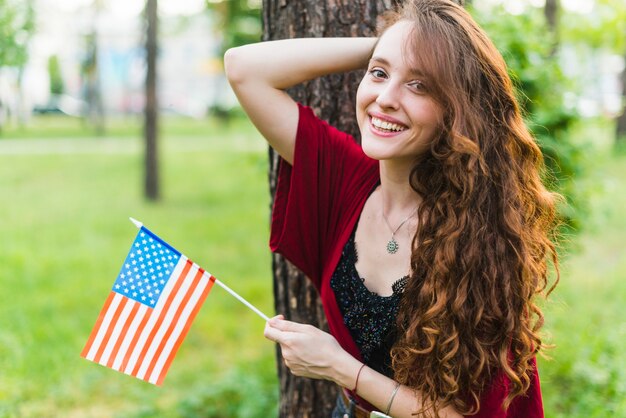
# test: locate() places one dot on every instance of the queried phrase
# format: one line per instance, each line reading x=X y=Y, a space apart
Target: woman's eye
x=417 y=86
x=378 y=73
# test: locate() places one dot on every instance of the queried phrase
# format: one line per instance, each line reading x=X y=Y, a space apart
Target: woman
x=429 y=242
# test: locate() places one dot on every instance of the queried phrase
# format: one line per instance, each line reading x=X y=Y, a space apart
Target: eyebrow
x=383 y=61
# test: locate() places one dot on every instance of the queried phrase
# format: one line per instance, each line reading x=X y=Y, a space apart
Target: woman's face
x=397 y=118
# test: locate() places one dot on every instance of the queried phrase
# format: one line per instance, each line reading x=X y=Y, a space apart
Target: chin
x=376 y=151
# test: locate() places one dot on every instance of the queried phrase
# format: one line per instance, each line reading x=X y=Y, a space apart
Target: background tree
x=603 y=29
x=93 y=112
x=17 y=24
x=237 y=21
x=551 y=12
x=57 y=86
x=151 y=121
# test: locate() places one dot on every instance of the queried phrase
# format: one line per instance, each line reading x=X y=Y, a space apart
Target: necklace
x=392 y=245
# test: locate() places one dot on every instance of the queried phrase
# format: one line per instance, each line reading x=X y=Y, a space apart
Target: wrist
x=346 y=370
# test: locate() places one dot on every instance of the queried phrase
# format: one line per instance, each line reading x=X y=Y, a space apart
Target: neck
x=398 y=197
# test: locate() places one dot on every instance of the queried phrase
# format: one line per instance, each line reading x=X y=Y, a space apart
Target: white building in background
x=189 y=71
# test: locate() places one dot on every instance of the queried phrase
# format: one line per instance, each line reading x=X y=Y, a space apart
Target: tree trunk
x=333 y=99
x=551 y=13
x=151 y=189
x=94 y=112
x=620 y=131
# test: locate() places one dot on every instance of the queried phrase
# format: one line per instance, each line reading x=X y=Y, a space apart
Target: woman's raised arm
x=259 y=73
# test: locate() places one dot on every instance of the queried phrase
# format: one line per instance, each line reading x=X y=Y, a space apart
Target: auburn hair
x=484 y=241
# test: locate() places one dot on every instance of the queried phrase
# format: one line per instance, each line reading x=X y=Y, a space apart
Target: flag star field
x=146 y=270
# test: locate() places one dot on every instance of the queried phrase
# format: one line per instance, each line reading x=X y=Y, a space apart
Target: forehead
x=394 y=47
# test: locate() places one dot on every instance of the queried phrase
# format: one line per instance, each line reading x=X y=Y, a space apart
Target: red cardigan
x=317 y=204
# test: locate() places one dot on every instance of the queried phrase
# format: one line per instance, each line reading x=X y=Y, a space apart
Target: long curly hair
x=485 y=239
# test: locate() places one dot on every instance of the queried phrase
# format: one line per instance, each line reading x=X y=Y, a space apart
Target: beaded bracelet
x=393 y=395
x=356 y=385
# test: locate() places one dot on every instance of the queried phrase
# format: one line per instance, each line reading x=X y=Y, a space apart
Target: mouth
x=385 y=127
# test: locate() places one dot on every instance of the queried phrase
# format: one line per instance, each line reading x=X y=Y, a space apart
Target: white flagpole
x=242 y=300
x=222 y=285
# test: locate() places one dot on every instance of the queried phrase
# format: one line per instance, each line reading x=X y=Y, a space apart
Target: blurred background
x=78 y=140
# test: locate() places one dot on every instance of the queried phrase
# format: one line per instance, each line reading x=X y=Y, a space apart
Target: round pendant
x=392 y=246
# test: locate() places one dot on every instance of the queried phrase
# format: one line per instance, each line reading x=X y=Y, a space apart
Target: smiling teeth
x=381 y=124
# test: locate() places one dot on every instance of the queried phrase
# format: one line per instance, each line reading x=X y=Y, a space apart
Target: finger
x=281 y=316
x=286 y=326
x=273 y=334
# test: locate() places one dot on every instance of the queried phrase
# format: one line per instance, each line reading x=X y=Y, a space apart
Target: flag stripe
x=167 y=316
x=152 y=316
x=183 y=334
x=110 y=326
x=134 y=325
x=120 y=339
x=96 y=327
x=104 y=326
x=157 y=318
x=129 y=354
x=195 y=285
x=115 y=329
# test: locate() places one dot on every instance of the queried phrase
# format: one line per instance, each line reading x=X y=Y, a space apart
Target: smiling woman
x=397 y=117
x=428 y=243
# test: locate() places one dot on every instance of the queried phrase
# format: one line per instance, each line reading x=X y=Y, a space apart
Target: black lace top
x=370 y=318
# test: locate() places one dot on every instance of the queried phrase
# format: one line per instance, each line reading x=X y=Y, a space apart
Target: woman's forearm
x=378 y=389
x=259 y=74
x=285 y=63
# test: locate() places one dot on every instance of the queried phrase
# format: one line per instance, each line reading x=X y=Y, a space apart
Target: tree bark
x=151 y=184
x=333 y=99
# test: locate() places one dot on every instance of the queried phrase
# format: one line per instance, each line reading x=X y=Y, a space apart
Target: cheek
x=428 y=114
x=361 y=104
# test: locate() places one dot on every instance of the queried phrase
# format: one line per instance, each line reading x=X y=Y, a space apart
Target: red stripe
x=162 y=314
x=133 y=343
x=194 y=284
x=183 y=334
x=120 y=339
x=110 y=328
x=96 y=327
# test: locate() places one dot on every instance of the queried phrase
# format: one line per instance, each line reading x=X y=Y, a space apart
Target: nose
x=389 y=96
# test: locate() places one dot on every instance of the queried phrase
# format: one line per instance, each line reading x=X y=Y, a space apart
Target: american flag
x=154 y=300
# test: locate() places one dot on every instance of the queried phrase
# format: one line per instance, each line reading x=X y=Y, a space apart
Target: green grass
x=129 y=126
x=64 y=232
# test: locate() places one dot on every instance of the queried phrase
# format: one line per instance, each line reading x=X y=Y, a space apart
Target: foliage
x=543 y=93
x=604 y=27
x=238 y=21
x=56 y=78
x=16 y=25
